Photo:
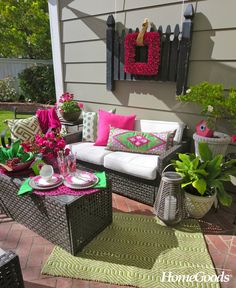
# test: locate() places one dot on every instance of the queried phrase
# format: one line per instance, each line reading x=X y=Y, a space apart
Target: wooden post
x=174 y=55
x=185 y=46
x=158 y=76
x=116 y=56
x=110 y=52
x=166 y=55
x=122 y=56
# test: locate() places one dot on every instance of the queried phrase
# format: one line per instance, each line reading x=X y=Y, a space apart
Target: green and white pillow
x=90 y=121
x=24 y=129
x=90 y=126
x=140 y=142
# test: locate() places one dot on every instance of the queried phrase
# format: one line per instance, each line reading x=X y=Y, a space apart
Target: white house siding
x=83 y=36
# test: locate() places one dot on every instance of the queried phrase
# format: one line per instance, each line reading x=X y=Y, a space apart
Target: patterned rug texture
x=140 y=251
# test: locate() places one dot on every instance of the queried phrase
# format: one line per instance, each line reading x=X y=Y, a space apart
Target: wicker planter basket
x=71 y=116
x=218 y=144
x=198 y=206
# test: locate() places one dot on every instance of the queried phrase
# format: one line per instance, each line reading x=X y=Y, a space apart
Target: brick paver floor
x=33 y=250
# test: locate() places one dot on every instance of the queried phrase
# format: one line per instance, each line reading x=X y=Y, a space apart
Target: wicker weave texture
x=70 y=226
x=10 y=271
x=135 y=188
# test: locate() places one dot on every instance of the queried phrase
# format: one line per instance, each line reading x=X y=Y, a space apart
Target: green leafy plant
x=24 y=29
x=7 y=90
x=14 y=155
x=214 y=102
x=37 y=84
x=204 y=175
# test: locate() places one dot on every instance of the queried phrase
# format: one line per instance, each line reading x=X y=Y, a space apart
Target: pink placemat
x=63 y=190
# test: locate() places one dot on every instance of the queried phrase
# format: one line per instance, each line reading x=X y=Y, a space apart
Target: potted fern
x=203 y=179
x=215 y=105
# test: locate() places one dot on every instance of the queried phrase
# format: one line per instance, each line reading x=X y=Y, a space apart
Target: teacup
x=46 y=172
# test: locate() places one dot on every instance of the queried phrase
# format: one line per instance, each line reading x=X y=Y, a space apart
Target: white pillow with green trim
x=90 y=121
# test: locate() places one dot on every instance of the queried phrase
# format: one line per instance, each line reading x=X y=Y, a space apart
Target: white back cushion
x=160 y=126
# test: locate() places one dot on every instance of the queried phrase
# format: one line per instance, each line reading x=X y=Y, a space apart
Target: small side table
x=70 y=127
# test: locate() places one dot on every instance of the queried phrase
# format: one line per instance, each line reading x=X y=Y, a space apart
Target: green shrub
x=37 y=84
x=7 y=90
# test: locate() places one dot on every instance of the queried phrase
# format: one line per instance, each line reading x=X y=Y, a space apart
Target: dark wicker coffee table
x=10 y=270
x=68 y=221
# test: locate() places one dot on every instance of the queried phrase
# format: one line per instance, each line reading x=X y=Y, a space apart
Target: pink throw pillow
x=106 y=120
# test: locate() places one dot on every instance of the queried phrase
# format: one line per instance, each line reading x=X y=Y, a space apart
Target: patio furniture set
x=72 y=221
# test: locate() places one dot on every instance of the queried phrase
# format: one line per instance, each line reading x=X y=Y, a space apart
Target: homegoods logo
x=199 y=277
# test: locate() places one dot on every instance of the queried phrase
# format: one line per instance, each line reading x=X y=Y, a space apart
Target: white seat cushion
x=153 y=126
x=89 y=153
x=139 y=165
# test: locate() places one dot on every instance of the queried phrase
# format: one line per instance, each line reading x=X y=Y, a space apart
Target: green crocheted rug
x=140 y=251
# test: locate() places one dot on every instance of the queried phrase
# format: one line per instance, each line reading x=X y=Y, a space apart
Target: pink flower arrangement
x=67 y=103
x=49 y=144
x=233 y=138
x=66 y=97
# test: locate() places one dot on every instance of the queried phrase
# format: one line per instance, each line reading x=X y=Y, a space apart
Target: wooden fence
x=174 y=54
x=11 y=67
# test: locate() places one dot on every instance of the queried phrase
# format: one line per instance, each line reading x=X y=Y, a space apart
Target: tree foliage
x=24 y=29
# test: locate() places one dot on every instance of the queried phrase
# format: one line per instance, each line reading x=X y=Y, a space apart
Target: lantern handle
x=166 y=168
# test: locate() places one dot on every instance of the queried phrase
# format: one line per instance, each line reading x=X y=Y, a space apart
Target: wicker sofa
x=134 y=175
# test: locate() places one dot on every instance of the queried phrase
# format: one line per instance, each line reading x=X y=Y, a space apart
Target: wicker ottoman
x=10 y=270
x=68 y=221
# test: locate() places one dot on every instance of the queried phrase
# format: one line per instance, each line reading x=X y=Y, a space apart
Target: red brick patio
x=33 y=250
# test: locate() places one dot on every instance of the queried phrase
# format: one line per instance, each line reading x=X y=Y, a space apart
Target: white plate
x=81 y=178
x=79 y=187
x=36 y=187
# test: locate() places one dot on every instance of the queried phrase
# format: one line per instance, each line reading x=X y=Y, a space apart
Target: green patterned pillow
x=90 y=121
x=89 y=126
x=140 y=142
x=24 y=129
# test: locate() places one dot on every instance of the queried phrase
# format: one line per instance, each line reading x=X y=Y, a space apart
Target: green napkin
x=102 y=180
x=25 y=188
x=16 y=150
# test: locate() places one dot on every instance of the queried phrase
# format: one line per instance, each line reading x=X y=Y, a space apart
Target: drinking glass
x=71 y=163
x=62 y=165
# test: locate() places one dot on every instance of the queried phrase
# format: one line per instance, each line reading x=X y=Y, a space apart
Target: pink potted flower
x=69 y=108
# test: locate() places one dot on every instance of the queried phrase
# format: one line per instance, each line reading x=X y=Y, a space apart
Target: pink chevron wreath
x=152 y=40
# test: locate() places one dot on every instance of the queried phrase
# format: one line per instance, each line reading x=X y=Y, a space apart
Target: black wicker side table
x=68 y=221
x=10 y=270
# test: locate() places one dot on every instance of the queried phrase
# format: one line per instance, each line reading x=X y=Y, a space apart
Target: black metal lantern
x=169 y=204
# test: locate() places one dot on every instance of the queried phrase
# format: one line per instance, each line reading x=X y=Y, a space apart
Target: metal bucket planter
x=198 y=206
